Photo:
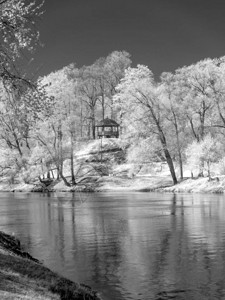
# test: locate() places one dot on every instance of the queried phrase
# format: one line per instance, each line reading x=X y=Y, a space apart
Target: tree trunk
x=62 y=176
x=64 y=179
x=18 y=145
x=165 y=148
x=72 y=159
x=201 y=168
x=178 y=146
x=170 y=164
x=81 y=120
x=103 y=106
x=112 y=110
x=60 y=154
x=93 y=122
x=209 y=174
x=93 y=131
x=181 y=165
x=89 y=129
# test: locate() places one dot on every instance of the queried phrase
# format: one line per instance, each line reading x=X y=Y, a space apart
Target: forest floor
x=23 y=277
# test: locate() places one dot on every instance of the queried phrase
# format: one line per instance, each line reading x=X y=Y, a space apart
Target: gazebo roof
x=107 y=122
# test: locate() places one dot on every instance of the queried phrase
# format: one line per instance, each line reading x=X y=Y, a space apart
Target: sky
x=162 y=34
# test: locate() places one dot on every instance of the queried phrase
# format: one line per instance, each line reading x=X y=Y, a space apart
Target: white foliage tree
x=204 y=153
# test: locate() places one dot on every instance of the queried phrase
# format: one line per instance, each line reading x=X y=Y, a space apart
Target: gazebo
x=107 y=128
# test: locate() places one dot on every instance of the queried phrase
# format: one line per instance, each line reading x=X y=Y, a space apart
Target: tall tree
x=62 y=127
x=216 y=85
x=138 y=92
x=88 y=88
x=194 y=93
x=20 y=110
x=170 y=93
x=115 y=65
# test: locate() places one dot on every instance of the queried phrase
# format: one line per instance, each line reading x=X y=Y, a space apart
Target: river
x=126 y=245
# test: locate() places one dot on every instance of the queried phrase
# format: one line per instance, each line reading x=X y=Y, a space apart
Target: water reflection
x=128 y=246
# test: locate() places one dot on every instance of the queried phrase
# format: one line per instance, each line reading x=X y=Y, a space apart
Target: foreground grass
x=22 y=277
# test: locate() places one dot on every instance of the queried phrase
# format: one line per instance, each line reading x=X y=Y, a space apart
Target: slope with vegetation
x=24 y=277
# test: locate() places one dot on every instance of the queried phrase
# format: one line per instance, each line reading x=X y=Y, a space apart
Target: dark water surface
x=126 y=245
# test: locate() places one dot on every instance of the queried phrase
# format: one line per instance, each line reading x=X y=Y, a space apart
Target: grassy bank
x=23 y=277
x=124 y=183
x=198 y=185
x=158 y=183
x=97 y=184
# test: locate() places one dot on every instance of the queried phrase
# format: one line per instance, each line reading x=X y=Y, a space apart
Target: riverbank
x=124 y=183
x=24 y=277
x=158 y=184
x=95 y=184
x=198 y=185
x=147 y=184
